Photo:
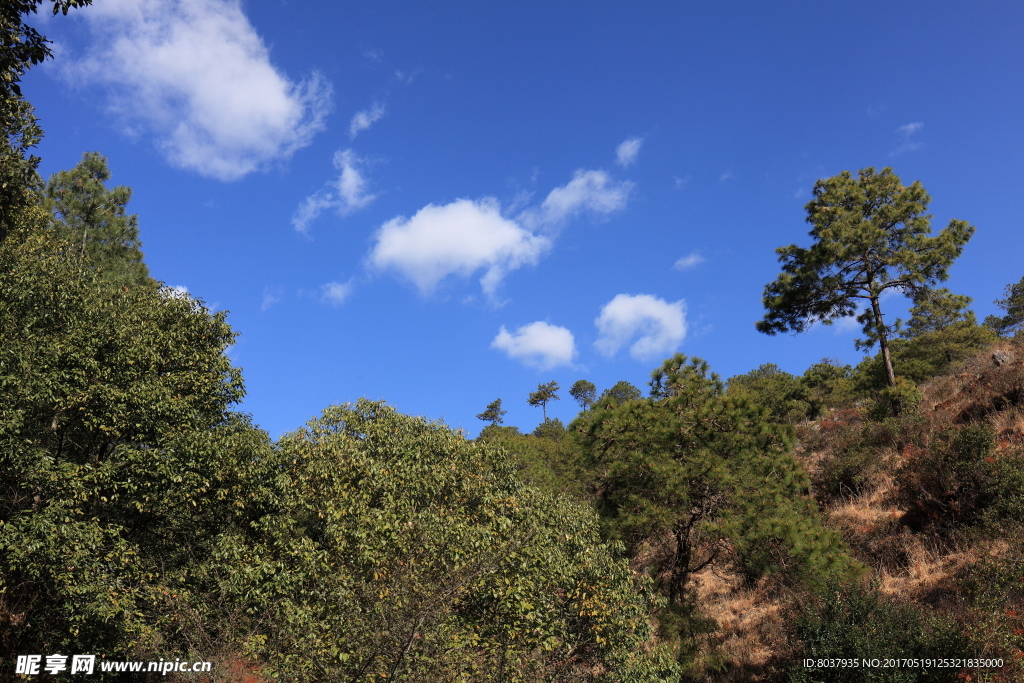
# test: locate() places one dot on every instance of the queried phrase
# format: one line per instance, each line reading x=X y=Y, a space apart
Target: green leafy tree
x=123 y=468
x=584 y=392
x=545 y=394
x=493 y=413
x=1013 y=304
x=871 y=234
x=93 y=220
x=416 y=555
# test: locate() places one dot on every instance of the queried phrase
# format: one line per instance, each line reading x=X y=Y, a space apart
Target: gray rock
x=1002 y=357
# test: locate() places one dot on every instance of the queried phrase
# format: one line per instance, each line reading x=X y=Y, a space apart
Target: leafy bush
x=856 y=623
x=901 y=399
x=951 y=482
x=848 y=471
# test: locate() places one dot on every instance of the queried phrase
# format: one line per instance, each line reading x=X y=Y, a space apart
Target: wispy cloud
x=538 y=345
x=346 y=194
x=688 y=261
x=271 y=295
x=627 y=151
x=365 y=118
x=680 y=183
x=195 y=74
x=336 y=292
x=658 y=326
x=459 y=238
x=589 y=191
x=726 y=176
x=908 y=145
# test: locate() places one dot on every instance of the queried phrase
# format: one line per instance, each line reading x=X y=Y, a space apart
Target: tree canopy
x=493 y=413
x=545 y=394
x=584 y=392
x=93 y=220
x=871 y=235
x=1013 y=304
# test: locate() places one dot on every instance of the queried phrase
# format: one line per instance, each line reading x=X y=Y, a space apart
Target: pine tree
x=545 y=394
x=493 y=413
x=1013 y=304
x=707 y=477
x=92 y=219
x=584 y=392
x=871 y=234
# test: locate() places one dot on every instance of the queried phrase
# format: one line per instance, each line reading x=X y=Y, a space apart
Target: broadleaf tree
x=871 y=234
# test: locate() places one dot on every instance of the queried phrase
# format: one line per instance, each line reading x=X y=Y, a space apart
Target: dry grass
x=751 y=634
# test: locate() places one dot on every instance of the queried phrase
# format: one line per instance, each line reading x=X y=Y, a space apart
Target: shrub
x=853 y=622
x=951 y=482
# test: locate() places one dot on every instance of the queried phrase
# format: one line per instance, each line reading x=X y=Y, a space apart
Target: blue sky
x=442 y=203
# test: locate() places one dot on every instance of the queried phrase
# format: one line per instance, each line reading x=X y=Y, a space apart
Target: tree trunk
x=883 y=341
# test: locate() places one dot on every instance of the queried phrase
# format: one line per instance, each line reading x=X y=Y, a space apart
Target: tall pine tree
x=93 y=220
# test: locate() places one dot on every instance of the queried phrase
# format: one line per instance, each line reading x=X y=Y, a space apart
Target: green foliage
x=552 y=429
x=584 y=392
x=828 y=385
x=413 y=554
x=952 y=482
x=785 y=396
x=92 y=220
x=935 y=310
x=925 y=356
x=21 y=47
x=900 y=399
x=549 y=459
x=619 y=393
x=848 y=621
x=712 y=473
x=122 y=466
x=871 y=234
x=493 y=413
x=545 y=394
x=1013 y=304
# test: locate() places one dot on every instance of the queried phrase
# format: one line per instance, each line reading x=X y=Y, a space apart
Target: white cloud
x=911 y=128
x=345 y=195
x=336 y=292
x=626 y=152
x=365 y=118
x=681 y=182
x=688 y=261
x=196 y=74
x=592 y=191
x=459 y=238
x=659 y=327
x=468 y=235
x=538 y=345
x=726 y=176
